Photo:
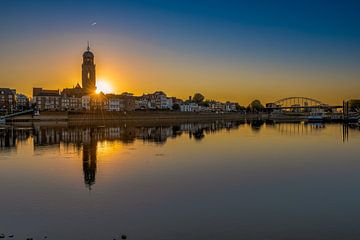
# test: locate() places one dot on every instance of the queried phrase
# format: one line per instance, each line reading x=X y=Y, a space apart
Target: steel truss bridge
x=299 y=103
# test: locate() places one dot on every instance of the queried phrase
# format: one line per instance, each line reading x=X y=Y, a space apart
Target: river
x=216 y=180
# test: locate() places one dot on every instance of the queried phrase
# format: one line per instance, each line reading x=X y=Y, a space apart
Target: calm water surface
x=223 y=180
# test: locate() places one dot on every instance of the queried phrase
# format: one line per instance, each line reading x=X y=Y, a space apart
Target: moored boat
x=316 y=117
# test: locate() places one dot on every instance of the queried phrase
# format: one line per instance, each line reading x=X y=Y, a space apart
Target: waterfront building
x=157 y=100
x=122 y=102
x=99 y=102
x=85 y=102
x=230 y=107
x=7 y=100
x=71 y=98
x=22 y=102
x=76 y=91
x=161 y=100
x=114 y=104
x=216 y=106
x=166 y=103
x=71 y=103
x=128 y=102
x=189 y=107
x=142 y=103
x=46 y=99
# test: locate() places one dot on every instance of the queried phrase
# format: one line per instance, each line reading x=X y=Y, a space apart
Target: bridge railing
x=16 y=114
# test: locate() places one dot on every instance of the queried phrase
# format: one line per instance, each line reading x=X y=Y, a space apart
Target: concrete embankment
x=45 y=116
x=133 y=117
x=154 y=117
x=149 y=117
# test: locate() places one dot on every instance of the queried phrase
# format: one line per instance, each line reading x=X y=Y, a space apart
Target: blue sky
x=299 y=36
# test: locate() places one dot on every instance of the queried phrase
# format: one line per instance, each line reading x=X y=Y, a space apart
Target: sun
x=103 y=86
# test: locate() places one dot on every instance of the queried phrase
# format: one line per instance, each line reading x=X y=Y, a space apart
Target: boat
x=317 y=116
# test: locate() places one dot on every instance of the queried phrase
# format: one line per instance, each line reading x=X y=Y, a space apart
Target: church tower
x=88 y=72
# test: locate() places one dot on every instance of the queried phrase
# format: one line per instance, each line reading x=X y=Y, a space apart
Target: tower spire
x=88 y=46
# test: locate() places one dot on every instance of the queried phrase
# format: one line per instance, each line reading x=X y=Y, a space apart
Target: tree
x=204 y=103
x=256 y=106
x=176 y=107
x=198 y=98
x=240 y=108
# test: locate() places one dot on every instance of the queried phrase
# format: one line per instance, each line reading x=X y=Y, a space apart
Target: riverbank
x=155 y=116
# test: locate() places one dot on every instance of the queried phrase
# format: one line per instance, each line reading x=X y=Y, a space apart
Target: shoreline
x=130 y=117
x=146 y=117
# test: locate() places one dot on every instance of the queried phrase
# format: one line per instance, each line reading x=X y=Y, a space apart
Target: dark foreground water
x=223 y=180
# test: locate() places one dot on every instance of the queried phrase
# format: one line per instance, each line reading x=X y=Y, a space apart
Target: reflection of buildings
x=85 y=138
x=11 y=137
x=298 y=129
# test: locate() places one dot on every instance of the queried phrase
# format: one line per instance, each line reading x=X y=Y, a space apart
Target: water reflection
x=210 y=178
x=9 y=137
x=89 y=160
x=86 y=138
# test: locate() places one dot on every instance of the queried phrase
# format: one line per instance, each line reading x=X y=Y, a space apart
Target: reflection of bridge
x=299 y=103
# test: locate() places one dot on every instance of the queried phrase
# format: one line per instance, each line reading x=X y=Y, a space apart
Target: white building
x=230 y=107
x=217 y=106
x=115 y=104
x=85 y=102
x=189 y=107
x=142 y=103
x=156 y=100
x=165 y=102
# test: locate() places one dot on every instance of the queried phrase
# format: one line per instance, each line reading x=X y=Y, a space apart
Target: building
x=142 y=103
x=115 y=104
x=71 y=103
x=230 y=107
x=7 y=100
x=85 y=102
x=76 y=91
x=128 y=102
x=71 y=98
x=22 y=102
x=216 y=106
x=99 y=102
x=46 y=99
x=189 y=107
x=156 y=100
x=88 y=73
x=122 y=102
x=161 y=100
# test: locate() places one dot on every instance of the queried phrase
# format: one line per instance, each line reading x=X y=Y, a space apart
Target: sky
x=227 y=50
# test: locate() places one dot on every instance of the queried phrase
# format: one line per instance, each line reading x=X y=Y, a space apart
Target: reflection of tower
x=88 y=72
x=89 y=160
x=345 y=135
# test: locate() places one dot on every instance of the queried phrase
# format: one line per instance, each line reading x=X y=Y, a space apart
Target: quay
x=161 y=116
